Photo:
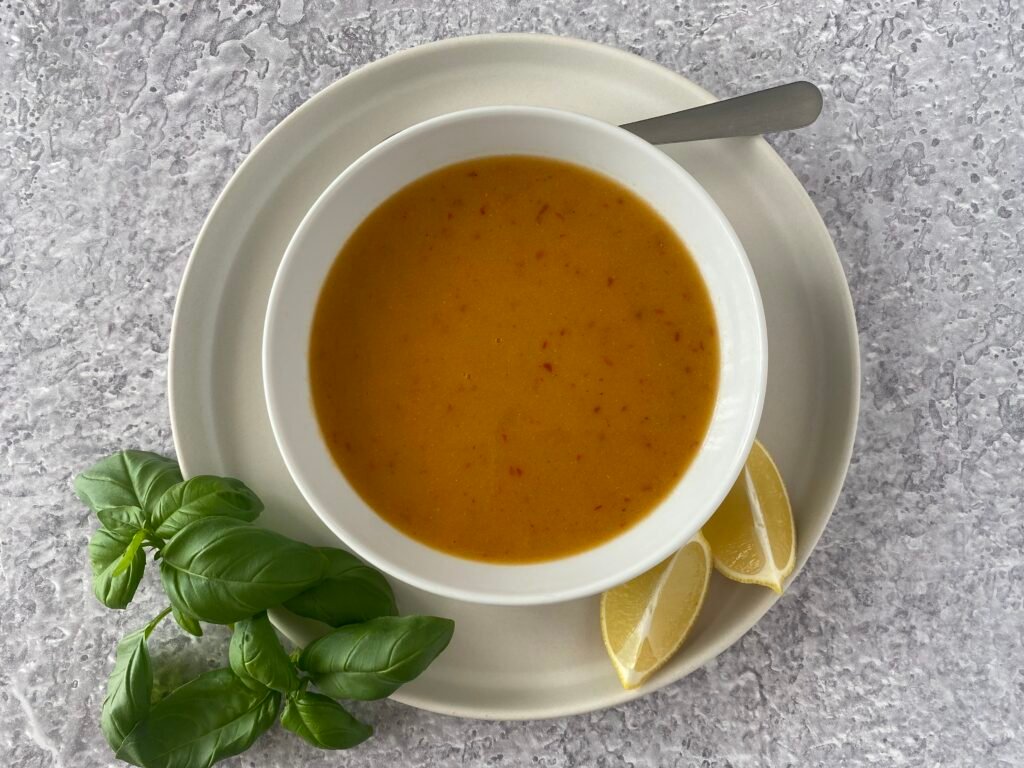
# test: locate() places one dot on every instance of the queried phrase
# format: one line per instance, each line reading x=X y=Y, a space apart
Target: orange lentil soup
x=513 y=359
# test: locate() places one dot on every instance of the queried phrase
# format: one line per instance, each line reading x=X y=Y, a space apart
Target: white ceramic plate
x=515 y=663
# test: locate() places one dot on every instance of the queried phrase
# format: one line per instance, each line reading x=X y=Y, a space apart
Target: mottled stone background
x=900 y=644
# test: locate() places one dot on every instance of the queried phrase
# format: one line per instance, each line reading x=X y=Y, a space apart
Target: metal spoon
x=781 y=108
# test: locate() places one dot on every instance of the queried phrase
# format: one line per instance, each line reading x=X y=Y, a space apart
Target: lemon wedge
x=645 y=620
x=752 y=536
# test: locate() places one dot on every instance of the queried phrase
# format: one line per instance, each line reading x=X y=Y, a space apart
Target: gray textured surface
x=900 y=644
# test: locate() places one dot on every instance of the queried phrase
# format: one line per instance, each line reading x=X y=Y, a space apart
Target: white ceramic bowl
x=632 y=162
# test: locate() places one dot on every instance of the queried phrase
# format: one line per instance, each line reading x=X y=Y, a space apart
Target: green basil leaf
x=127 y=479
x=134 y=545
x=323 y=722
x=351 y=592
x=373 y=659
x=106 y=550
x=256 y=654
x=129 y=688
x=125 y=521
x=187 y=621
x=203 y=496
x=210 y=718
x=222 y=570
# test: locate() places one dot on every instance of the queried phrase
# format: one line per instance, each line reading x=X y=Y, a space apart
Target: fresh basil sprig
x=373 y=659
x=124 y=521
x=127 y=479
x=350 y=592
x=130 y=686
x=257 y=656
x=203 y=496
x=207 y=719
x=222 y=570
x=323 y=722
x=114 y=582
x=218 y=568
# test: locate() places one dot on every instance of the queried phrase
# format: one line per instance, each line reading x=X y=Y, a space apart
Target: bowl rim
x=644 y=562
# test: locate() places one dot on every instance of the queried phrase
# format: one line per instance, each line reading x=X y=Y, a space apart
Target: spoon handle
x=781 y=108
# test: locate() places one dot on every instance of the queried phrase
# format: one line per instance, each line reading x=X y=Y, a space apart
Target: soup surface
x=513 y=359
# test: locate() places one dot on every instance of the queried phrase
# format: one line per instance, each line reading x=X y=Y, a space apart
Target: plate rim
x=850 y=417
